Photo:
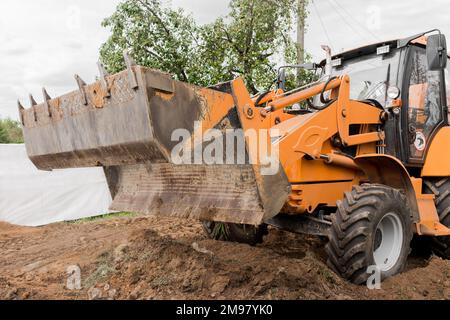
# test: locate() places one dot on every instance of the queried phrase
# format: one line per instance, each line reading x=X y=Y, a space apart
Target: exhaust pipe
x=328 y=66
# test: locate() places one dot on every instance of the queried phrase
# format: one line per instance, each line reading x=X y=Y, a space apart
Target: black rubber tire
x=352 y=236
x=441 y=189
x=239 y=233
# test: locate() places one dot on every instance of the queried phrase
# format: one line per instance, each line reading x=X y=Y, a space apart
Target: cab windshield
x=369 y=76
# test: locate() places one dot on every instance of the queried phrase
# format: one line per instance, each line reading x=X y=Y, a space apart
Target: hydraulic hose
x=326 y=102
x=322 y=94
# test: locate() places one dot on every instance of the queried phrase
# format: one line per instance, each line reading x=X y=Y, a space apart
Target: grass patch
x=104 y=269
x=104 y=217
x=221 y=231
x=327 y=274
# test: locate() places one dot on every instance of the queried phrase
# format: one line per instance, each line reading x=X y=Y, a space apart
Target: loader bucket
x=124 y=123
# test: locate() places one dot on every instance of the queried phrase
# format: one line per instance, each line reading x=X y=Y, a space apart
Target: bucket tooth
x=101 y=68
x=32 y=100
x=21 y=110
x=33 y=105
x=81 y=84
x=103 y=75
x=130 y=63
x=47 y=98
x=20 y=106
x=46 y=95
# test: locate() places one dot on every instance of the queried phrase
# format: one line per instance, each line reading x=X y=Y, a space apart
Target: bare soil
x=152 y=258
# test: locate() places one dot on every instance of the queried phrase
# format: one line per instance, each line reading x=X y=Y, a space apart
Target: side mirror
x=308 y=66
x=437 y=52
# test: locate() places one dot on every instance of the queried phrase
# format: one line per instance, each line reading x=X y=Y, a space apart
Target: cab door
x=447 y=85
x=426 y=111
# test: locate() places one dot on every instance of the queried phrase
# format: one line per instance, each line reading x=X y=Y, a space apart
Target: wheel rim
x=388 y=242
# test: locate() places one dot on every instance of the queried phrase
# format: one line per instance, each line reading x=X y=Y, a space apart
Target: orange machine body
x=319 y=174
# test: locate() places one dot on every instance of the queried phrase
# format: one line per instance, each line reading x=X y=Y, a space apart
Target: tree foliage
x=248 y=42
x=10 y=131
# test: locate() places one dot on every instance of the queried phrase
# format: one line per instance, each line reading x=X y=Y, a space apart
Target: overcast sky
x=45 y=42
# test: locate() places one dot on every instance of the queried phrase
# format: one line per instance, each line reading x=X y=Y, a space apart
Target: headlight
x=393 y=92
x=296 y=107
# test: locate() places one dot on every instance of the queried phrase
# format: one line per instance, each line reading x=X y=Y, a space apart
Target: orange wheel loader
x=362 y=156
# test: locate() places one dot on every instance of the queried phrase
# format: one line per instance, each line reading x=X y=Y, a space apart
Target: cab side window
x=425 y=108
x=447 y=84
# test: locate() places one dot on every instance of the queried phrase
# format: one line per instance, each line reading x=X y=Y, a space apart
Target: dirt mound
x=149 y=258
x=161 y=267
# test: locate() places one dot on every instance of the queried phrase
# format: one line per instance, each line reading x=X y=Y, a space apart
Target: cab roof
x=372 y=48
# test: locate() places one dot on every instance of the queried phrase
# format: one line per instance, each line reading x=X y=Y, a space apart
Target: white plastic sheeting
x=30 y=197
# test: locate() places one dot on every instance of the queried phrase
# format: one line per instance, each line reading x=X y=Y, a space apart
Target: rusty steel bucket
x=124 y=123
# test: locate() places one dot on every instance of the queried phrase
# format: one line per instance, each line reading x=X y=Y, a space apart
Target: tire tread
x=351 y=228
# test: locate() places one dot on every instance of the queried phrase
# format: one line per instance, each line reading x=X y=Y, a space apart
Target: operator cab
x=370 y=70
x=397 y=76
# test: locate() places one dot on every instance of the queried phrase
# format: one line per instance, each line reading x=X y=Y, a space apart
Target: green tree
x=249 y=42
x=10 y=131
x=3 y=135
